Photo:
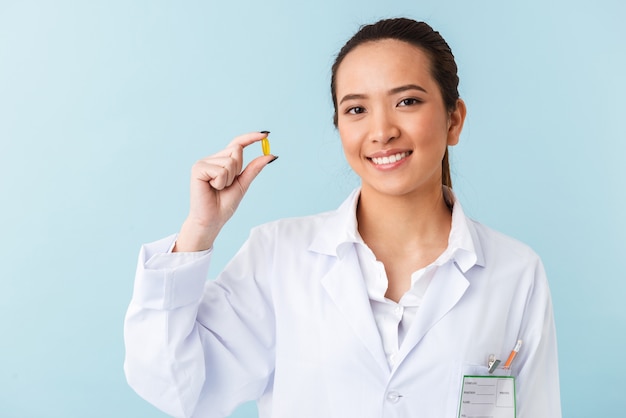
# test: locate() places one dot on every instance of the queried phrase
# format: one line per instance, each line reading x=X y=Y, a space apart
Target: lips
x=390 y=159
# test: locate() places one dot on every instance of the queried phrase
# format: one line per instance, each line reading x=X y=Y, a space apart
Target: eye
x=410 y=101
x=356 y=110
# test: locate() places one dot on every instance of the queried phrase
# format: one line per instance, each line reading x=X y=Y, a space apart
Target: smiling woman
x=440 y=62
x=388 y=306
x=395 y=129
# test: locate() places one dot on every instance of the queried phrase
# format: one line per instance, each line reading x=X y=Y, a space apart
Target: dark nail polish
x=265 y=132
x=274 y=159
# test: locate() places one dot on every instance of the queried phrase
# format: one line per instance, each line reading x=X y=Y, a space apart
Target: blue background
x=105 y=105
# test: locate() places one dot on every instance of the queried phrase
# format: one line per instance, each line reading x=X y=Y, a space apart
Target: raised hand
x=217 y=186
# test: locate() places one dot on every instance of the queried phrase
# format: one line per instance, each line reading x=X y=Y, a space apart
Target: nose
x=383 y=127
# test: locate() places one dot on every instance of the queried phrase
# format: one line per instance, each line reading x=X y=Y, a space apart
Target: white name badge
x=488 y=397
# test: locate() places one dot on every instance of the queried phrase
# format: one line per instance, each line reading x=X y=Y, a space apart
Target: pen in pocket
x=512 y=355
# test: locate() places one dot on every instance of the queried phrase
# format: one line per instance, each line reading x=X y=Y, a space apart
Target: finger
x=235 y=148
x=253 y=169
x=211 y=168
x=234 y=151
x=244 y=140
x=216 y=175
x=231 y=164
x=220 y=182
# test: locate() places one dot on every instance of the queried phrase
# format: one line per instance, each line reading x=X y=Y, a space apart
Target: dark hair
x=419 y=34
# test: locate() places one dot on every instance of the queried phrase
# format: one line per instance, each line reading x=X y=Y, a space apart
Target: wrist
x=193 y=238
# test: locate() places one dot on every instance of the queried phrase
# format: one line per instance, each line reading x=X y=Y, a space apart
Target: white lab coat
x=288 y=323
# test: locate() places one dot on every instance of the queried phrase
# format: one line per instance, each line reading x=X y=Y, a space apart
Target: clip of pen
x=507 y=365
x=493 y=363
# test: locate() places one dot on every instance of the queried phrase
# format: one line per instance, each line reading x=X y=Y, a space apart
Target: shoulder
x=294 y=229
x=497 y=246
x=323 y=232
x=507 y=263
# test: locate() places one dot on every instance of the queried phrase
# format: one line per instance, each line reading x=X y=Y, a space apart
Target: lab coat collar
x=345 y=285
x=444 y=291
x=463 y=241
x=339 y=232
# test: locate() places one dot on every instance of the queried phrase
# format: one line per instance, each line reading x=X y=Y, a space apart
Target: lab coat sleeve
x=536 y=365
x=194 y=344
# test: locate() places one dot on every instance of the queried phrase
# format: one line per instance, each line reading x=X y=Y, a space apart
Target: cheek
x=432 y=134
x=352 y=153
x=349 y=142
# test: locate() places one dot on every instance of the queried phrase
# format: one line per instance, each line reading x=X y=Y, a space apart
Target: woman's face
x=392 y=120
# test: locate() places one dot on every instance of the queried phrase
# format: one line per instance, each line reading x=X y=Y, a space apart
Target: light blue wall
x=105 y=105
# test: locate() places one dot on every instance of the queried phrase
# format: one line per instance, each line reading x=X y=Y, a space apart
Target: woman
x=379 y=308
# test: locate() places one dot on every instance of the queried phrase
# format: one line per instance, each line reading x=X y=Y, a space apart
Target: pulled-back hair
x=419 y=34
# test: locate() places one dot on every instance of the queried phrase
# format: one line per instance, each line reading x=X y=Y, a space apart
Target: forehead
x=384 y=61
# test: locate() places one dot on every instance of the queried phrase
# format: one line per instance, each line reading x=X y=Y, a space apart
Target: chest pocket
x=468 y=369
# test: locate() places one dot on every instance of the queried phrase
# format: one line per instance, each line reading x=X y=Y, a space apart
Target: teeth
x=390 y=159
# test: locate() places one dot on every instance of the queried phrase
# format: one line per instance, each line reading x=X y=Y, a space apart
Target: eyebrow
x=393 y=91
x=407 y=87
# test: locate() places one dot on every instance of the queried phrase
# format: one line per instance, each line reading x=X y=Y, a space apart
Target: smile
x=390 y=159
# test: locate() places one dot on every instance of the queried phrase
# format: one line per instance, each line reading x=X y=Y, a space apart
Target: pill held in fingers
x=265 y=145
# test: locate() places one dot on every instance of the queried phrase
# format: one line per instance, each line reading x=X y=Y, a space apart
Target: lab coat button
x=393 y=397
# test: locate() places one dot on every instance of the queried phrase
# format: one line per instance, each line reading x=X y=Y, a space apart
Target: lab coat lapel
x=444 y=292
x=345 y=286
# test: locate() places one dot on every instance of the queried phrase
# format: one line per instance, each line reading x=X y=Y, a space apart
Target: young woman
x=382 y=308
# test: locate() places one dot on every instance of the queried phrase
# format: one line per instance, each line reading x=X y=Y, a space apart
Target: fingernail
x=265 y=132
x=273 y=159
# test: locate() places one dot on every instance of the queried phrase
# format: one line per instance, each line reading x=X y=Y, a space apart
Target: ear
x=456 y=120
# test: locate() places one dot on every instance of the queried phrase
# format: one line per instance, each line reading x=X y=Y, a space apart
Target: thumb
x=253 y=169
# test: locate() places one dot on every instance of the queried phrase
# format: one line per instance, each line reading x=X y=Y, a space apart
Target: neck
x=404 y=223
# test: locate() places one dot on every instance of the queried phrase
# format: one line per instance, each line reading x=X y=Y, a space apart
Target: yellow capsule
x=265 y=145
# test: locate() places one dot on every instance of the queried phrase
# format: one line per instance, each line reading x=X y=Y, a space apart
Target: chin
x=399 y=188
x=391 y=190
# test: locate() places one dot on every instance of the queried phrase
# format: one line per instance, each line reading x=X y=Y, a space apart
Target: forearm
x=164 y=355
